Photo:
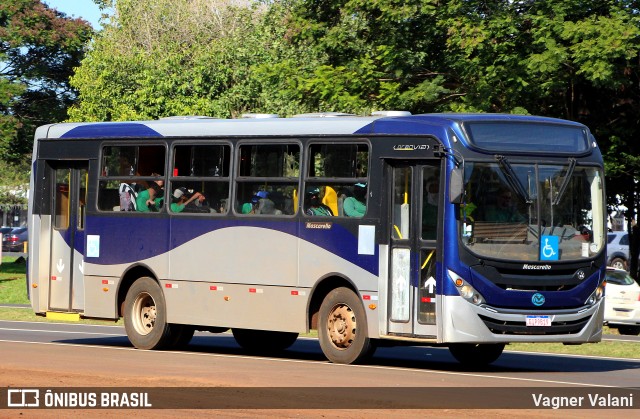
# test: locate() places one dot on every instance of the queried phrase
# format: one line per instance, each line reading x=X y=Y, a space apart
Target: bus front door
x=66 y=269
x=413 y=199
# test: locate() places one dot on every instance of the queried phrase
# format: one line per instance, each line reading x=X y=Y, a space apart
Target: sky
x=85 y=9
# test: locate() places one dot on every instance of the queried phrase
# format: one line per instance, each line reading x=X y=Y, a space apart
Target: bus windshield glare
x=532 y=212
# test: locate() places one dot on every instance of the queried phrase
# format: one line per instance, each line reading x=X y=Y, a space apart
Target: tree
x=39 y=48
x=171 y=57
x=575 y=59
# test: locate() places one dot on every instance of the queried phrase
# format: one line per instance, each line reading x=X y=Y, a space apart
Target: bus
x=466 y=231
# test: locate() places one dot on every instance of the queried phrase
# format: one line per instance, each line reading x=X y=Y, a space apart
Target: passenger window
x=338 y=174
x=267 y=182
x=200 y=179
x=126 y=172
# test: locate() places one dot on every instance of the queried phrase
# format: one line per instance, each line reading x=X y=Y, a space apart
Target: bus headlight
x=465 y=290
x=596 y=295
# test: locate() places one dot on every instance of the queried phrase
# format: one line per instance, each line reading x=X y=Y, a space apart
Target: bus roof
x=339 y=125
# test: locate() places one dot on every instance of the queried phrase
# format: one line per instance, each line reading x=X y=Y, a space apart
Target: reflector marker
x=296 y=292
x=171 y=285
x=256 y=290
x=108 y=282
x=370 y=297
x=427 y=300
x=215 y=288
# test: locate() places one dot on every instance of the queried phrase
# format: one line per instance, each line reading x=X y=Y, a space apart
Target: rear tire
x=263 y=341
x=476 y=355
x=629 y=330
x=342 y=328
x=181 y=335
x=145 y=315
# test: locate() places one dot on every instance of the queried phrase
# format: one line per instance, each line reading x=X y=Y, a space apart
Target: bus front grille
x=500 y=327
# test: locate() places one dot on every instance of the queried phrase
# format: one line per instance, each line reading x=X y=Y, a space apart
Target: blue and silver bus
x=469 y=231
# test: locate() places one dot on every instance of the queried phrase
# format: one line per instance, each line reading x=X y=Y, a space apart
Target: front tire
x=342 y=328
x=476 y=355
x=145 y=315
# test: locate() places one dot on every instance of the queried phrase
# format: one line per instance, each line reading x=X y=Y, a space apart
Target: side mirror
x=456 y=186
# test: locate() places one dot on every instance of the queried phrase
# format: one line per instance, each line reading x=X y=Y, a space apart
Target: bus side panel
x=242 y=306
x=317 y=263
x=235 y=254
x=336 y=251
x=101 y=294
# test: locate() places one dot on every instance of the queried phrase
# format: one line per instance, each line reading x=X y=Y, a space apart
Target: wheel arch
x=320 y=290
x=617 y=255
x=128 y=278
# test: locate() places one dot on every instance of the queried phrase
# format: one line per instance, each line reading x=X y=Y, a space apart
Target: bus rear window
x=523 y=136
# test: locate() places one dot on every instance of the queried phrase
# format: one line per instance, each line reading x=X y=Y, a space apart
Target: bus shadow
x=410 y=357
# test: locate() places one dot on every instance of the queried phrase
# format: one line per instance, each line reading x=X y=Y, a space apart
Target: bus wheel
x=145 y=315
x=263 y=341
x=181 y=335
x=342 y=328
x=476 y=355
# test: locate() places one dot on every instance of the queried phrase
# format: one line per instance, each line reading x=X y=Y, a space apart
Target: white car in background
x=622 y=302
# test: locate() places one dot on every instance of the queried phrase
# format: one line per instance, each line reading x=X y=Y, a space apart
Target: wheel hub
x=342 y=326
x=144 y=314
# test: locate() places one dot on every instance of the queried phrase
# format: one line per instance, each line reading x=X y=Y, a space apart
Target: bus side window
x=202 y=172
x=268 y=179
x=340 y=172
x=136 y=166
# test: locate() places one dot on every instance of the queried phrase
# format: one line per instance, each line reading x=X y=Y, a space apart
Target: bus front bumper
x=467 y=323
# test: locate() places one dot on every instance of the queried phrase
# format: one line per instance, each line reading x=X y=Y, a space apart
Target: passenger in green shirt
x=181 y=199
x=315 y=206
x=151 y=198
x=355 y=206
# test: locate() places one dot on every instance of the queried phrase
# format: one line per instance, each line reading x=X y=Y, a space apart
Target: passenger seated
x=355 y=206
x=314 y=205
x=252 y=206
x=150 y=199
x=181 y=198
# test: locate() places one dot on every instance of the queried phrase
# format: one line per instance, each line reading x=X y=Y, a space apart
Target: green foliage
x=14 y=183
x=38 y=49
x=575 y=59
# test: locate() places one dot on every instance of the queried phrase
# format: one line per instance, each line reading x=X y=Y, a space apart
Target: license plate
x=538 y=321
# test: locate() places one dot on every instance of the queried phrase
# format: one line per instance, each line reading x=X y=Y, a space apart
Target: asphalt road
x=49 y=355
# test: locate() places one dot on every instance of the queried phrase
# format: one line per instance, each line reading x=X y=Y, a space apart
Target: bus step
x=69 y=317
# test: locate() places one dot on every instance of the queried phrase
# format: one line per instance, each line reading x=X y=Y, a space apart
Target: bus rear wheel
x=342 y=328
x=476 y=355
x=145 y=315
x=263 y=341
x=181 y=335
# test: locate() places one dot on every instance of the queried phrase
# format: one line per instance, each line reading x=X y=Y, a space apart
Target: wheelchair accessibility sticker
x=549 y=248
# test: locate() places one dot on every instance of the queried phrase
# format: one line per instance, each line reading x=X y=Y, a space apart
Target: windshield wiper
x=565 y=181
x=512 y=178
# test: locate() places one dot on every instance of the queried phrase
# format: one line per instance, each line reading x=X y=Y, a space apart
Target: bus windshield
x=532 y=211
